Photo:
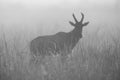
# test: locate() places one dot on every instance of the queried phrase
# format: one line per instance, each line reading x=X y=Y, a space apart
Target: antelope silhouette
x=60 y=43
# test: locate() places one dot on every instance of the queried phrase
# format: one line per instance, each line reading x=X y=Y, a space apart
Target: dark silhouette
x=60 y=43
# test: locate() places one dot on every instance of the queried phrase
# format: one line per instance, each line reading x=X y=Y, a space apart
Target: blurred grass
x=95 y=57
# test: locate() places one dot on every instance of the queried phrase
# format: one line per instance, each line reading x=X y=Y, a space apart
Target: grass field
x=95 y=57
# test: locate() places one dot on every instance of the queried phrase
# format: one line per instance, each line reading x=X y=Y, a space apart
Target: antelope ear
x=72 y=23
x=86 y=23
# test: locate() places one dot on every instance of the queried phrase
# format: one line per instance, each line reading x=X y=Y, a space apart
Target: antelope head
x=78 y=24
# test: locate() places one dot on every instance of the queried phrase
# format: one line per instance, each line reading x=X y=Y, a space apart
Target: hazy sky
x=59 y=2
x=54 y=12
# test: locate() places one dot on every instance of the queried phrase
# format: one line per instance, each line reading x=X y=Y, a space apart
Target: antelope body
x=59 y=43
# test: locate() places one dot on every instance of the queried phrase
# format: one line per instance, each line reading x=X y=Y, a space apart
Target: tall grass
x=95 y=57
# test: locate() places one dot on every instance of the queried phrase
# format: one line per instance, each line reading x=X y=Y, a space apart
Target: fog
x=95 y=57
x=46 y=17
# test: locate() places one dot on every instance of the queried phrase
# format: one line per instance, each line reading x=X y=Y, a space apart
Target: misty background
x=50 y=16
x=95 y=57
